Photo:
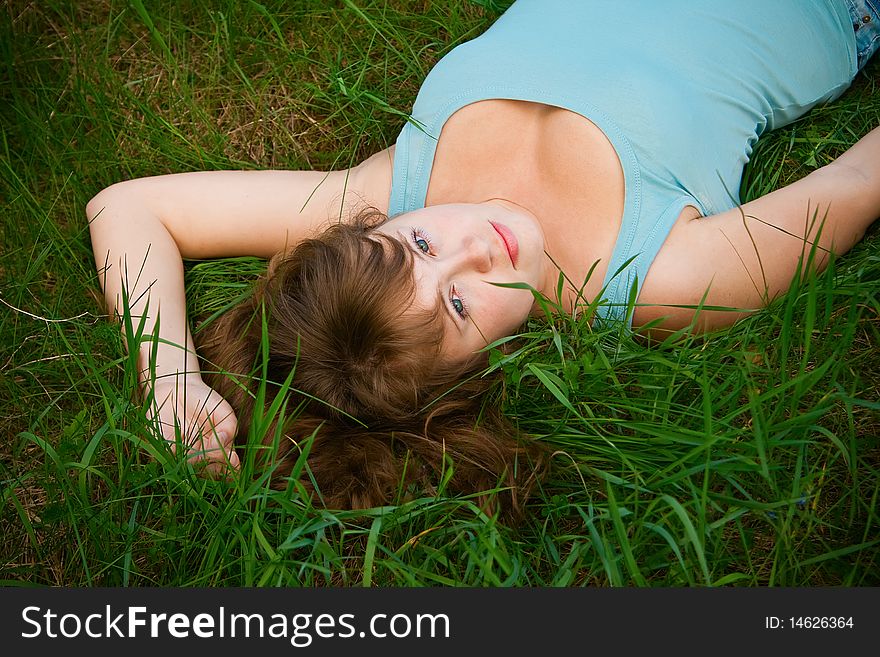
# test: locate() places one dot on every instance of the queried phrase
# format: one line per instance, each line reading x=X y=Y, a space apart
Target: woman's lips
x=509 y=240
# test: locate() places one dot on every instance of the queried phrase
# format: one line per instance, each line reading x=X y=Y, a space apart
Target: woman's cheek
x=515 y=313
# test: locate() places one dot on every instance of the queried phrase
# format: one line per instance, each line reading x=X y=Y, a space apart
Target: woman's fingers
x=198 y=419
x=217 y=458
x=217 y=435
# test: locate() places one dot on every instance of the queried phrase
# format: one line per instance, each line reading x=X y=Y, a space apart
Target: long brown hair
x=387 y=414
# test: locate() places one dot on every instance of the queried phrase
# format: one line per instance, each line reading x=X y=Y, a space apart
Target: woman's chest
x=528 y=148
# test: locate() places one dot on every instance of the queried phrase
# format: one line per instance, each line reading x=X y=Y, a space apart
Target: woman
x=569 y=137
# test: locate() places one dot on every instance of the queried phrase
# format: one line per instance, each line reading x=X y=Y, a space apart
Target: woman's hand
x=194 y=416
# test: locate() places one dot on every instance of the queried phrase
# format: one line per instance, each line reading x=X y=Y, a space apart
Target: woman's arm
x=747 y=256
x=141 y=229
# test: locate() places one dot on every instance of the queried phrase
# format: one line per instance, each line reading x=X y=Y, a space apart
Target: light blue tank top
x=681 y=88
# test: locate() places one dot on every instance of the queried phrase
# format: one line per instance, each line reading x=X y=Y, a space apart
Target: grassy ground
x=748 y=458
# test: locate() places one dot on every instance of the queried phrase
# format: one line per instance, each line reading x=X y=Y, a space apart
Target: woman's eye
x=422 y=244
x=458 y=305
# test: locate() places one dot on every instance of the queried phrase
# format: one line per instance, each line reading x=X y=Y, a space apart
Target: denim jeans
x=865 y=16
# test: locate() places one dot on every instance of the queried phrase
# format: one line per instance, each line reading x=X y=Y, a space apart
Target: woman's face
x=459 y=251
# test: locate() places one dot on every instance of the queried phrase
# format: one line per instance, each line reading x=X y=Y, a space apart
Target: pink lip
x=509 y=240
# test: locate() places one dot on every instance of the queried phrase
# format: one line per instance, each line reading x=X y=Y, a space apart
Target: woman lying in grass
x=566 y=139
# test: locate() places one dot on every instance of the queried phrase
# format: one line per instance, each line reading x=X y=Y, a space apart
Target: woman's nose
x=476 y=254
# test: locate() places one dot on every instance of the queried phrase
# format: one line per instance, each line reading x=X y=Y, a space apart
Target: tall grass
x=749 y=457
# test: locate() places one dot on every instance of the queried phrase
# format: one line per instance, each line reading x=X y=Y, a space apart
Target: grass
x=748 y=458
